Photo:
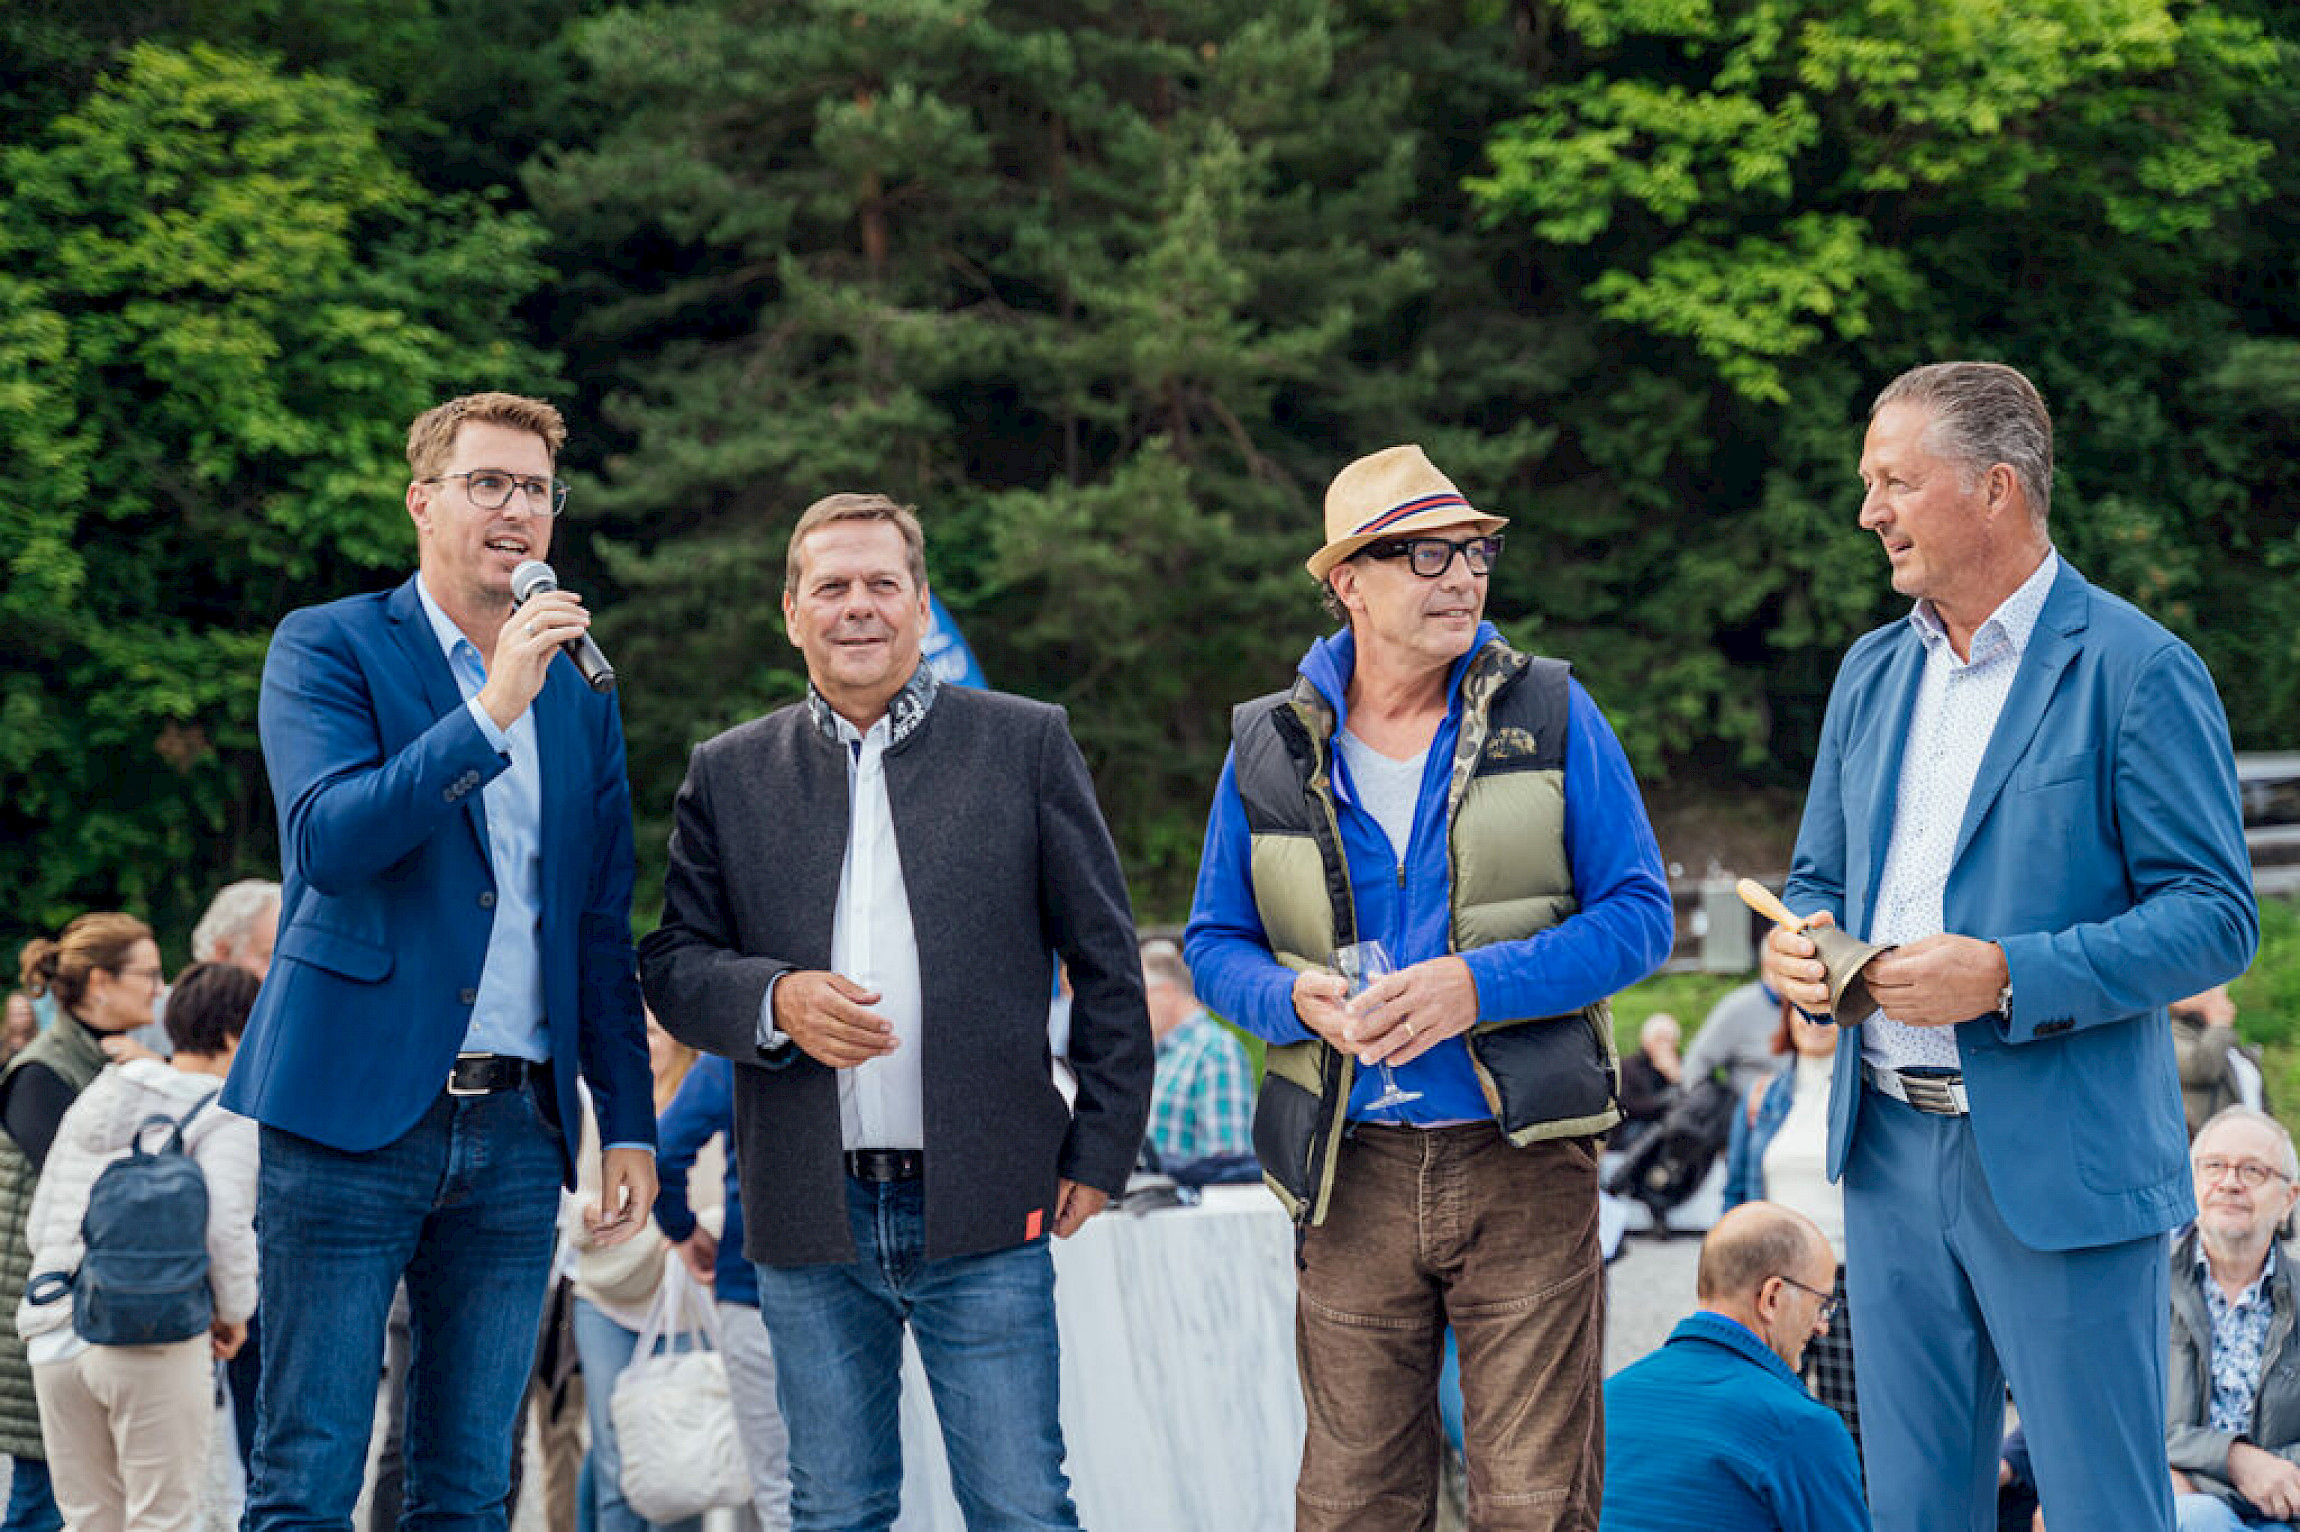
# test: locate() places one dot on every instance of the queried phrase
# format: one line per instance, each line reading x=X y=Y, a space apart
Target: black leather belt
x=884 y=1165
x=486 y=1074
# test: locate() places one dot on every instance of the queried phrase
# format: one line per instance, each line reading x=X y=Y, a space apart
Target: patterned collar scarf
x=903 y=715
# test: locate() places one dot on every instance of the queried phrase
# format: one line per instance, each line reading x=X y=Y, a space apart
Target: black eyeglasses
x=1431 y=556
x=490 y=489
x=1830 y=1302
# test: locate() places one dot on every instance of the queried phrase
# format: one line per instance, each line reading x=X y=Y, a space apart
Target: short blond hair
x=432 y=437
x=858 y=507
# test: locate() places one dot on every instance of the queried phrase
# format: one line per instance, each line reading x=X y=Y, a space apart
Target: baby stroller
x=1664 y=1167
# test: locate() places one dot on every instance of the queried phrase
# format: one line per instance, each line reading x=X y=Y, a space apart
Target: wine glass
x=1361 y=964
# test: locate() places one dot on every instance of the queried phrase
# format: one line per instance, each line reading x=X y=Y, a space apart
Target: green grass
x=1686 y=996
x=2268 y=1008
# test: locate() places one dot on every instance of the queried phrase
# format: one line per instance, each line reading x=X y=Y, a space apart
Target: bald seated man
x=1715 y=1429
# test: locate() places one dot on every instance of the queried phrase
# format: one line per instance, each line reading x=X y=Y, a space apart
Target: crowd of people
x=450 y=1132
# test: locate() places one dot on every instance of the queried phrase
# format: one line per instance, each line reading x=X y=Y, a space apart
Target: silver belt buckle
x=458 y=1090
x=1931 y=1093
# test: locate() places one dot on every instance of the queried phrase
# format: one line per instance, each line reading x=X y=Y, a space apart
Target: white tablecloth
x=1180 y=1407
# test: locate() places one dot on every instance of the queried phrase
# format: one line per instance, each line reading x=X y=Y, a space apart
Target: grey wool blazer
x=1007 y=861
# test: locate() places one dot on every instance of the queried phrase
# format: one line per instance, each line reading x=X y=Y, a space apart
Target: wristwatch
x=2004 y=1001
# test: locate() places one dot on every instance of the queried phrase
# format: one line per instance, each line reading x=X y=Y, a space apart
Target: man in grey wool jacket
x=866 y=894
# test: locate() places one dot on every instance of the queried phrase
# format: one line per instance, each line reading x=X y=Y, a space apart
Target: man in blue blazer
x=2027 y=787
x=454 y=948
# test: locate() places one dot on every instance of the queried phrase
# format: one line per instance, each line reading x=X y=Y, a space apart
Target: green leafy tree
x=220 y=304
x=1088 y=287
x=1771 y=206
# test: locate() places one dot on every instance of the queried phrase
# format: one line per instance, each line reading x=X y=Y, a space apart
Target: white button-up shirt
x=1957 y=705
x=881 y=1102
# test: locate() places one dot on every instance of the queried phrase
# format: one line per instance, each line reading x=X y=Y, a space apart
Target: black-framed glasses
x=2250 y=1174
x=1430 y=557
x=1830 y=1302
x=490 y=489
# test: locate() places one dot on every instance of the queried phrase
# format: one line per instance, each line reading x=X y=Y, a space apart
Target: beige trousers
x=127 y=1434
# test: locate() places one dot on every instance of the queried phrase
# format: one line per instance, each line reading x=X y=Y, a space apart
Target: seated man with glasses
x=2232 y=1425
x=1714 y=1430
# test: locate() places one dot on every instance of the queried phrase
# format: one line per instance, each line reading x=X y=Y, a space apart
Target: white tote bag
x=674 y=1421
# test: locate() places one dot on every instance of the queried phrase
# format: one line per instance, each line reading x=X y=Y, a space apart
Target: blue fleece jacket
x=1621 y=933
x=702 y=1107
x=1714 y=1431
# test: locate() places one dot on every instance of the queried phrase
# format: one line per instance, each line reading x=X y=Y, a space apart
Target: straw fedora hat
x=1395 y=492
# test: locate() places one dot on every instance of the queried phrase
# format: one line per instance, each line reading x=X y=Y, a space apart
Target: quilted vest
x=1544 y=1077
x=69 y=1048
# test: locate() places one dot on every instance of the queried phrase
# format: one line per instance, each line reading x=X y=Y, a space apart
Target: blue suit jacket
x=386 y=908
x=2103 y=847
x=1714 y=1431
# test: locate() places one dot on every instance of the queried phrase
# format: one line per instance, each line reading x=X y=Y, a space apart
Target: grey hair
x=1984 y=413
x=229 y=915
x=1162 y=963
x=2290 y=1161
x=1742 y=1252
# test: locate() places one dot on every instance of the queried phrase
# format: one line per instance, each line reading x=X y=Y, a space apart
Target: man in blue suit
x=454 y=948
x=2026 y=786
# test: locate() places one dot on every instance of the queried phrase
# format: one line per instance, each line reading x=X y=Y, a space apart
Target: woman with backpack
x=127 y=1424
x=103 y=972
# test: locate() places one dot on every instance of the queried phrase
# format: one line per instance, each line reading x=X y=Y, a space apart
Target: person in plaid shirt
x=1203 y=1100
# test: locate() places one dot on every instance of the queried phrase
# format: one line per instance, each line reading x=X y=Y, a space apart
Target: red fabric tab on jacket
x=1035 y=1222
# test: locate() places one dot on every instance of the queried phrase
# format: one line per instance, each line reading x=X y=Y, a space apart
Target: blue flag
x=945 y=651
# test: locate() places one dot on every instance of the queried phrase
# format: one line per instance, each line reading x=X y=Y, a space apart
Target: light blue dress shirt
x=507 y=1017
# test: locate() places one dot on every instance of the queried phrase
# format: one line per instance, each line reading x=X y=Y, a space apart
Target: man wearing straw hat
x=1424 y=785
x=2025 y=787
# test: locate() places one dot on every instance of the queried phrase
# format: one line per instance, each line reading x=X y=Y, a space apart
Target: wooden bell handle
x=1761 y=899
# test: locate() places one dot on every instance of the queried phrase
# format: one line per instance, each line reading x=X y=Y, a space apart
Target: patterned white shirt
x=1957 y=705
x=2239 y=1341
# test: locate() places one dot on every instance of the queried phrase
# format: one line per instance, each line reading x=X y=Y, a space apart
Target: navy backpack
x=144 y=1280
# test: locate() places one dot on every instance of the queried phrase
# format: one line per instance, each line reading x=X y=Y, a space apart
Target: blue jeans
x=606 y=1349
x=2203 y=1513
x=2082 y=1335
x=31 y=1498
x=985 y=1329
x=463 y=1205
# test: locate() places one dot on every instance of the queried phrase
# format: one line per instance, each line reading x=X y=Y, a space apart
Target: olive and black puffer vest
x=1544 y=1077
x=69 y=1048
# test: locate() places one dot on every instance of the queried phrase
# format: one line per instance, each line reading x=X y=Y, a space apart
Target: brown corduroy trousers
x=1438 y=1226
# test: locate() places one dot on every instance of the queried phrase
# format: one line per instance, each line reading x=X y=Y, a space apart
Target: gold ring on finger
x=1409 y=1031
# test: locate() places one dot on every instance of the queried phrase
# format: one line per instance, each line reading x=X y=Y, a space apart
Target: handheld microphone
x=532 y=579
